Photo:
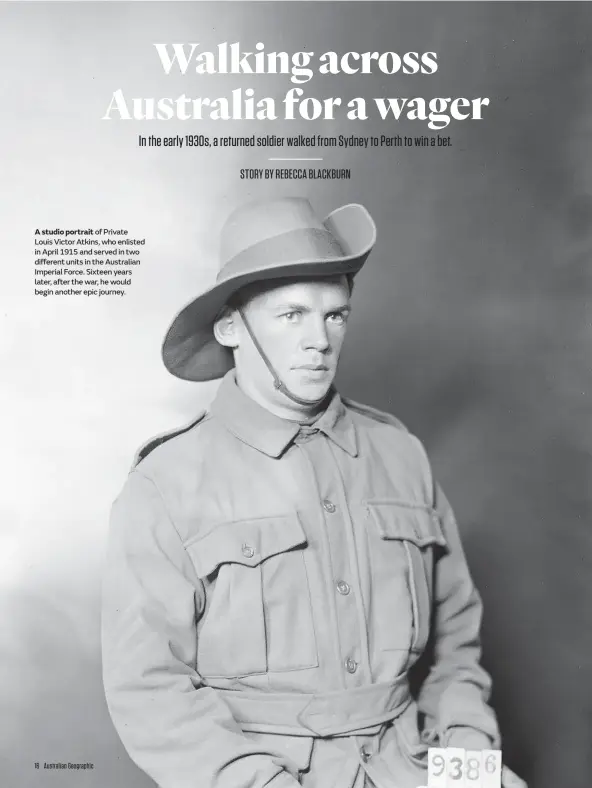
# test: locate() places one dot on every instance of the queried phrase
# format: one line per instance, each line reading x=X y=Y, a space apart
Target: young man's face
x=301 y=327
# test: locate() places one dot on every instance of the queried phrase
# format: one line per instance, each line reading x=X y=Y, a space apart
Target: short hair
x=239 y=299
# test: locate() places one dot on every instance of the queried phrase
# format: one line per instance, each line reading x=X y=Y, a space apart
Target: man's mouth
x=314 y=367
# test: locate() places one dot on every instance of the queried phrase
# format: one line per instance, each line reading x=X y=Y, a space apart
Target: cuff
x=467 y=738
x=283 y=780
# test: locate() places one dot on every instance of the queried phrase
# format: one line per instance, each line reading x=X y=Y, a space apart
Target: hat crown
x=257 y=222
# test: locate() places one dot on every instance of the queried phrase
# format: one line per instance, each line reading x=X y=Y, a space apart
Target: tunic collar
x=270 y=434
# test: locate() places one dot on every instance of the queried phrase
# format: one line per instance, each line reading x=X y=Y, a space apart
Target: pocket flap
x=411 y=522
x=292 y=752
x=246 y=542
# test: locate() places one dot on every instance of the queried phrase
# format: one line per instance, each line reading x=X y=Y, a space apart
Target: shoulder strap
x=373 y=413
x=158 y=440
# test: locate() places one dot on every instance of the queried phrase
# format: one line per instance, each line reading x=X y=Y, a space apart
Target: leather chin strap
x=277 y=382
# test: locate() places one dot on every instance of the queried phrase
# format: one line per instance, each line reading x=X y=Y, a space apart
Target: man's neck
x=291 y=411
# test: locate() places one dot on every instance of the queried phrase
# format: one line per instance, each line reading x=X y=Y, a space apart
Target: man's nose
x=317 y=336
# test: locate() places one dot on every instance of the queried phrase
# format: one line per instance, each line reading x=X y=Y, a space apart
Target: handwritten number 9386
x=457 y=765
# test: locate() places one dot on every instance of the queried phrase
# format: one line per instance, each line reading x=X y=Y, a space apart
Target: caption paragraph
x=85 y=263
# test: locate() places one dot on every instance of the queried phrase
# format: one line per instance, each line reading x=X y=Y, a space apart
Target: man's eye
x=336 y=317
x=291 y=317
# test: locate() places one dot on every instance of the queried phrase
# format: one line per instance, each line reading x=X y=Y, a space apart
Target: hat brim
x=191 y=352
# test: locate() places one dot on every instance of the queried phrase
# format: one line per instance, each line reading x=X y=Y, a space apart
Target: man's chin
x=311 y=389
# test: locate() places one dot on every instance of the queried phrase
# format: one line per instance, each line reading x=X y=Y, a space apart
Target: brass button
x=365 y=754
x=328 y=506
x=351 y=665
x=343 y=587
x=248 y=551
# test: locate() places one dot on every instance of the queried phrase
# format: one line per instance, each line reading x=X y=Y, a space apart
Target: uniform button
x=328 y=506
x=343 y=587
x=248 y=551
x=365 y=754
x=351 y=665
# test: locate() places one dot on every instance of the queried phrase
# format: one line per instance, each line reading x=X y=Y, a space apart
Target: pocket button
x=328 y=506
x=351 y=665
x=248 y=551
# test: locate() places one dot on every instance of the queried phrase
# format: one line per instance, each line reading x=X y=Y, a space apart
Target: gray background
x=471 y=323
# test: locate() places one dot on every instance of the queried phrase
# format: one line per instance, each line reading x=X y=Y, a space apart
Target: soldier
x=277 y=568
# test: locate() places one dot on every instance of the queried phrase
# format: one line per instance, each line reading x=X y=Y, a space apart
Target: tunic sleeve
x=454 y=697
x=177 y=730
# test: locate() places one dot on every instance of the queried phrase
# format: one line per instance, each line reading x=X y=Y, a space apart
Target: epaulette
x=374 y=413
x=158 y=440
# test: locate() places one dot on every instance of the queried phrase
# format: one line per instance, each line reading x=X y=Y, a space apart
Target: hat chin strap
x=278 y=383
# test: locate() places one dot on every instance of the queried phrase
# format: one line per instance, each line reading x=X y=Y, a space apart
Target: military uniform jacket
x=266 y=594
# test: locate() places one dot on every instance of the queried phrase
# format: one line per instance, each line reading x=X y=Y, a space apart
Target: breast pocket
x=403 y=538
x=258 y=616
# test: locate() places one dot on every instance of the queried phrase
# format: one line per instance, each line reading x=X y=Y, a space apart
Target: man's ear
x=225 y=328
